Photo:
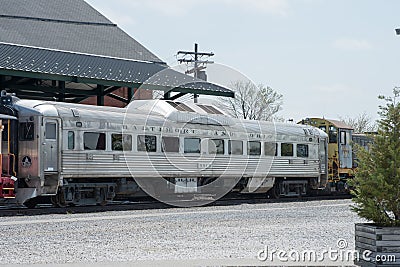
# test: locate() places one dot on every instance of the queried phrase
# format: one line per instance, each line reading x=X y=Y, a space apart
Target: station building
x=68 y=51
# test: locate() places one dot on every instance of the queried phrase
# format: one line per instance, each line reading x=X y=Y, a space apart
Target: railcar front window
x=121 y=142
x=170 y=144
x=254 y=148
x=302 y=151
x=270 y=149
x=26 y=131
x=216 y=146
x=323 y=128
x=235 y=147
x=332 y=134
x=191 y=145
x=94 y=141
x=71 y=140
x=286 y=150
x=51 y=131
x=147 y=143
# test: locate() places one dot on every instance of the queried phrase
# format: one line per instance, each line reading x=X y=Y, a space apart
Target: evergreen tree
x=377 y=183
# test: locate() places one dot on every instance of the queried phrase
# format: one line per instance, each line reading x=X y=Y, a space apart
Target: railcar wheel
x=103 y=200
x=53 y=200
x=60 y=200
x=274 y=192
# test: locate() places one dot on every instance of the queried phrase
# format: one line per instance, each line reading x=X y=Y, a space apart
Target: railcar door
x=323 y=155
x=323 y=161
x=50 y=144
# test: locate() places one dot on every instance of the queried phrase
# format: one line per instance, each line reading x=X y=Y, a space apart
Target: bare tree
x=158 y=94
x=252 y=102
x=362 y=123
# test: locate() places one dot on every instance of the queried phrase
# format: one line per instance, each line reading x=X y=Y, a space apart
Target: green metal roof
x=69 y=41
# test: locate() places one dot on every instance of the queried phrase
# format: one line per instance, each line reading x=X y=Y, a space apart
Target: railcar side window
x=235 y=147
x=254 y=148
x=147 y=143
x=270 y=149
x=26 y=131
x=94 y=141
x=302 y=150
x=286 y=150
x=191 y=145
x=71 y=140
x=342 y=137
x=51 y=130
x=216 y=146
x=121 y=142
x=170 y=144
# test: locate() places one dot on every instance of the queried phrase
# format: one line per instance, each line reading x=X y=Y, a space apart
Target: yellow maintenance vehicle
x=340 y=151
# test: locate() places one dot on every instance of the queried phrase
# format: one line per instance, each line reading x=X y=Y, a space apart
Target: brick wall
x=123 y=92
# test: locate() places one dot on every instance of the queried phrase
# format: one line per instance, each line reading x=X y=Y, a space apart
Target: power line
x=199 y=65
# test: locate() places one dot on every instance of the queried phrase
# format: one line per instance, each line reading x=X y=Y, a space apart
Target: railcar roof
x=155 y=112
x=336 y=123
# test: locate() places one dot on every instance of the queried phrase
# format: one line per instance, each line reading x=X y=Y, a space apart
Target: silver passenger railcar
x=82 y=154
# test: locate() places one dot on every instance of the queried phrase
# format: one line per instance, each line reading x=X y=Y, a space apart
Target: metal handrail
x=14 y=173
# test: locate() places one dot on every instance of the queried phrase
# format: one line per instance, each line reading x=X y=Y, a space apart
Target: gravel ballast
x=204 y=235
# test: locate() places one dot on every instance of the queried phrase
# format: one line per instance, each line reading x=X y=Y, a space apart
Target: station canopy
x=68 y=51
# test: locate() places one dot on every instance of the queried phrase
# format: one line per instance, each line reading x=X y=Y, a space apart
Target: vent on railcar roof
x=180 y=106
x=210 y=109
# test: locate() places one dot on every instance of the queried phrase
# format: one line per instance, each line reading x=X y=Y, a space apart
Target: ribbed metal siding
x=76 y=164
x=295 y=168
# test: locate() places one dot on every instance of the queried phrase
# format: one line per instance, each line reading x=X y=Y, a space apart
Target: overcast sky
x=327 y=58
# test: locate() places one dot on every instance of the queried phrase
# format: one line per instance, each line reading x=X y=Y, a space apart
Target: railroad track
x=148 y=203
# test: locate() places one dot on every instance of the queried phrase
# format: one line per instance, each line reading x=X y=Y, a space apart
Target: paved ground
x=249 y=234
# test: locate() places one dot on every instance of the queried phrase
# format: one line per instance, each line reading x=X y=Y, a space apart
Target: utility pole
x=198 y=64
